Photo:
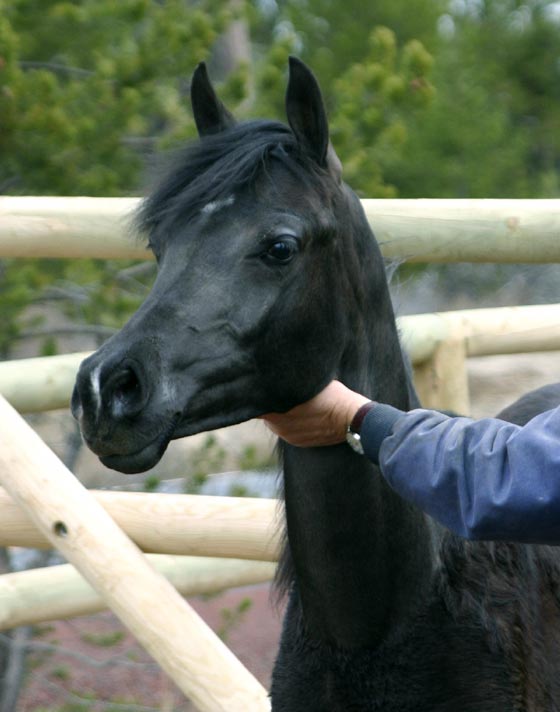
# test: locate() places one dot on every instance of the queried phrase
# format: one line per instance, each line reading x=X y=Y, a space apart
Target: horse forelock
x=212 y=169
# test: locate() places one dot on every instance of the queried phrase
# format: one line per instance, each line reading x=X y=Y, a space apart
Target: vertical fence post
x=441 y=381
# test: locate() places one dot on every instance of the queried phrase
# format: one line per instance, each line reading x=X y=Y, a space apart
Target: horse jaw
x=142 y=460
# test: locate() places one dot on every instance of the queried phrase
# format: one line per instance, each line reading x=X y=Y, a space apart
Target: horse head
x=246 y=314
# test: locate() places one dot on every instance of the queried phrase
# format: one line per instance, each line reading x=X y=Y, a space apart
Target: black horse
x=270 y=284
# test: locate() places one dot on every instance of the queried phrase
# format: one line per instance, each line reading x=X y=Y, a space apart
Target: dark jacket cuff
x=376 y=426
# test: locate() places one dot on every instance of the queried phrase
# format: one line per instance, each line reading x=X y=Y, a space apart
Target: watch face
x=355 y=442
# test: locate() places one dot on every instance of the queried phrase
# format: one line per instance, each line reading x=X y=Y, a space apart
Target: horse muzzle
x=120 y=412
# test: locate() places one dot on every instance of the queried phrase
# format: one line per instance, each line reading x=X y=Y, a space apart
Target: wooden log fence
x=195 y=525
x=440 y=343
x=76 y=524
x=437 y=345
x=33 y=385
x=412 y=230
x=59 y=592
x=459 y=230
x=44 y=505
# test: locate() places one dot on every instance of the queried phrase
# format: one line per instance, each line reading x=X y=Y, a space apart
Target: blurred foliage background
x=427 y=98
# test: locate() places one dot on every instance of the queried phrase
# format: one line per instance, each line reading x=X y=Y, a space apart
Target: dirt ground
x=92 y=663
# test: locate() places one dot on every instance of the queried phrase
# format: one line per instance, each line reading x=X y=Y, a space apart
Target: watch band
x=353 y=432
x=358 y=419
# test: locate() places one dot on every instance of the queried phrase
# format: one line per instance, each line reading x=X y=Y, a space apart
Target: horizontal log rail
x=34 y=385
x=427 y=230
x=73 y=228
x=195 y=525
x=45 y=383
x=59 y=592
x=441 y=343
x=470 y=230
x=498 y=330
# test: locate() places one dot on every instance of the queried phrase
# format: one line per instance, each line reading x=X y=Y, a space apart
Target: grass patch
x=61 y=672
x=233 y=616
x=103 y=640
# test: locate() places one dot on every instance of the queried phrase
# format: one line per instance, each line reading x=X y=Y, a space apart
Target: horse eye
x=282 y=250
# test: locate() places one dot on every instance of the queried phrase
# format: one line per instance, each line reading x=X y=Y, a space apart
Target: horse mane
x=216 y=166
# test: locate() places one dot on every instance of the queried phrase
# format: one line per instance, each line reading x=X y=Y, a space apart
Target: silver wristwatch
x=353 y=431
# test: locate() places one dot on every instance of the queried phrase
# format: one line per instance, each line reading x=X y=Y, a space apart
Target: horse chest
x=437 y=666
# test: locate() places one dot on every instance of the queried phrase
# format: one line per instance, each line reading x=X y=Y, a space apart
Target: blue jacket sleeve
x=484 y=479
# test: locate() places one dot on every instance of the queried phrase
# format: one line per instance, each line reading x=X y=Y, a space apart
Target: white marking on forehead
x=96 y=388
x=216 y=205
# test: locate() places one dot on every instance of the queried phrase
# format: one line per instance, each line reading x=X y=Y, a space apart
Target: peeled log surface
x=427 y=230
x=466 y=230
x=33 y=385
x=498 y=330
x=195 y=525
x=76 y=524
x=76 y=228
x=59 y=592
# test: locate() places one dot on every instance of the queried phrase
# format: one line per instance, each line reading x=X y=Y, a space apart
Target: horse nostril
x=126 y=386
x=124 y=392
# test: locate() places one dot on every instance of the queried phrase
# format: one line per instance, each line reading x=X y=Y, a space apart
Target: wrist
x=355 y=424
x=353 y=429
x=354 y=406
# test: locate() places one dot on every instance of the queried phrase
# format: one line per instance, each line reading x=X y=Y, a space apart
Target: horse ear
x=210 y=115
x=307 y=116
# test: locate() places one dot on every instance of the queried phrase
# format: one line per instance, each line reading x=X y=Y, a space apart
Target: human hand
x=323 y=420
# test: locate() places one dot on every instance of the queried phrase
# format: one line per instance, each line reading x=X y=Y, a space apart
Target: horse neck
x=361 y=556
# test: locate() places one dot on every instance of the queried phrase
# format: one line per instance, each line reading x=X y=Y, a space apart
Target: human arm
x=483 y=479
